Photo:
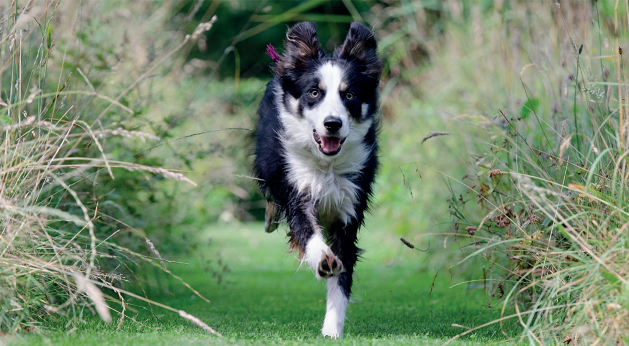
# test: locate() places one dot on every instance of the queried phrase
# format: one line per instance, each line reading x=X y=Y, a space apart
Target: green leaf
x=49 y=37
x=611 y=278
x=503 y=185
x=625 y=295
x=485 y=190
x=530 y=106
x=5 y=120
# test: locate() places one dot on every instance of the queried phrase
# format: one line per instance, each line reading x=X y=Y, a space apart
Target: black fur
x=295 y=76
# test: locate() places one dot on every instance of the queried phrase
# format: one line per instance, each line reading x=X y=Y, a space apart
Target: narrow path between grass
x=261 y=298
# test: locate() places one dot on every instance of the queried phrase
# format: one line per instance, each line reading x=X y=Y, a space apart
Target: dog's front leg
x=343 y=240
x=305 y=236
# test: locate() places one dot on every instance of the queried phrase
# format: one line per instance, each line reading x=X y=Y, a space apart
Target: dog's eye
x=314 y=93
x=349 y=96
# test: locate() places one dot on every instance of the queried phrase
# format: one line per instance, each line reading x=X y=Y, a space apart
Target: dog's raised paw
x=329 y=266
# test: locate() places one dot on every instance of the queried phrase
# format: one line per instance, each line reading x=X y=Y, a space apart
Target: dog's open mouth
x=328 y=145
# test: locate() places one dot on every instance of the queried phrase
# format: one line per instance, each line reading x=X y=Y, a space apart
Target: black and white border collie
x=316 y=153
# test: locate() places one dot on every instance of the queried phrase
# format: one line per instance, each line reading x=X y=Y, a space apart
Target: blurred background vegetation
x=494 y=75
x=220 y=80
x=202 y=101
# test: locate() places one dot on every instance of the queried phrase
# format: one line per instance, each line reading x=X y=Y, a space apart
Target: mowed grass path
x=264 y=300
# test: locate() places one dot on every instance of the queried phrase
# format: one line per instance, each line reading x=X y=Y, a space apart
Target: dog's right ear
x=302 y=45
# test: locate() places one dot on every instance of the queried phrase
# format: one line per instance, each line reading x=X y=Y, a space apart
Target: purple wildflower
x=272 y=52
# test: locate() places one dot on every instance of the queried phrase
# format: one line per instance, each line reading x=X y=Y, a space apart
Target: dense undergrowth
x=540 y=214
x=66 y=243
x=504 y=133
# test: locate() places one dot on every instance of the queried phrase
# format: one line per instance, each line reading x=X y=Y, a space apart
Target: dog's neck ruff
x=326 y=179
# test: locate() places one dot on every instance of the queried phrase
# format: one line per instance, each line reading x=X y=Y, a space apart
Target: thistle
x=272 y=52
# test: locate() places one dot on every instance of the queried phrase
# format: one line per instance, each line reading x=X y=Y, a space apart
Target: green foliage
x=530 y=106
x=64 y=141
x=238 y=43
x=539 y=213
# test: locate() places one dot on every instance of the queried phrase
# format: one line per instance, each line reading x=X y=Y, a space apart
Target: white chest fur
x=326 y=182
x=324 y=178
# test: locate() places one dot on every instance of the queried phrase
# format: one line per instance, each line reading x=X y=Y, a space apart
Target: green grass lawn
x=263 y=299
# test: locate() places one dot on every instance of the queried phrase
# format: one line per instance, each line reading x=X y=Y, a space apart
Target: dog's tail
x=271 y=217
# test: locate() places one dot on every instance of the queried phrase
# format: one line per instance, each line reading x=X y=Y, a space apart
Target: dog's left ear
x=360 y=46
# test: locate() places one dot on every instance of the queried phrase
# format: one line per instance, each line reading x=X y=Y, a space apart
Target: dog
x=316 y=153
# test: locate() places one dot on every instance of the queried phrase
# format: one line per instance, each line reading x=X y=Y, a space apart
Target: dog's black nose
x=333 y=124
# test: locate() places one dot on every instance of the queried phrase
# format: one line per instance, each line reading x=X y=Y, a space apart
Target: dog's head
x=333 y=98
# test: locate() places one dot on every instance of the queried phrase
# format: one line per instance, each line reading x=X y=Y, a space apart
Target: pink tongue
x=330 y=144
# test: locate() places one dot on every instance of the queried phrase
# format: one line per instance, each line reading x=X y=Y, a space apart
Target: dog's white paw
x=333 y=333
x=321 y=259
x=332 y=326
x=334 y=310
x=329 y=266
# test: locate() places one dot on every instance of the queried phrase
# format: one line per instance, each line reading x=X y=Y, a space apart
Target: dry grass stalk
x=96 y=296
x=122 y=132
x=154 y=250
x=203 y=27
x=198 y=322
x=434 y=134
x=48 y=229
x=545 y=207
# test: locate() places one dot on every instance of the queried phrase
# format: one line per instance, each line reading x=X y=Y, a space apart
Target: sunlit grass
x=262 y=299
x=526 y=195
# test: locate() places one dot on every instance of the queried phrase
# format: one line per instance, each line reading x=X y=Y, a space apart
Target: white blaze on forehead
x=364 y=109
x=331 y=77
x=331 y=104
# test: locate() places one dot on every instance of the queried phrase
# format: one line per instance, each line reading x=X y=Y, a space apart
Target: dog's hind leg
x=271 y=217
